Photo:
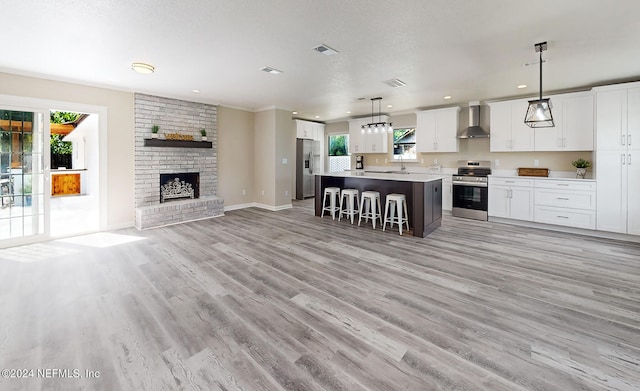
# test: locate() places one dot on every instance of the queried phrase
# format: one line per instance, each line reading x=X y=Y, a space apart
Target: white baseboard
x=273 y=208
x=113 y=227
x=239 y=206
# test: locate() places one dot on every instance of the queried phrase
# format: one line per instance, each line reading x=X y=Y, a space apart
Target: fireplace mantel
x=155 y=142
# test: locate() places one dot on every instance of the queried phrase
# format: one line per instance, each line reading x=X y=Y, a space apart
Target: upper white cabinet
x=368 y=142
x=508 y=131
x=309 y=130
x=436 y=130
x=573 y=115
x=618 y=158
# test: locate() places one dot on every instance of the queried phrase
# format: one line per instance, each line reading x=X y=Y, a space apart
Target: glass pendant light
x=539 y=112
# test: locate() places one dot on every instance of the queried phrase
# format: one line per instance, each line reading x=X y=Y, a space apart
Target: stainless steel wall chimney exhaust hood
x=474 y=130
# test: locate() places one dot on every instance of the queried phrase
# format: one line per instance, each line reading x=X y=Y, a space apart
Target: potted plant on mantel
x=581 y=166
x=154 y=131
x=203 y=132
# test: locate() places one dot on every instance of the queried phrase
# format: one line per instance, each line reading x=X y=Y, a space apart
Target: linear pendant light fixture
x=539 y=111
x=380 y=126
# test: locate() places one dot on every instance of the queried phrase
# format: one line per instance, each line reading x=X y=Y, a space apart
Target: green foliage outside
x=62 y=117
x=338 y=145
x=59 y=147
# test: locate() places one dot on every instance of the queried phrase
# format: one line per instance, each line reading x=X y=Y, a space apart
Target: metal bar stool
x=400 y=201
x=370 y=202
x=333 y=193
x=349 y=208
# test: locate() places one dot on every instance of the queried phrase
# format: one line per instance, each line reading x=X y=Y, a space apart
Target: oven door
x=470 y=200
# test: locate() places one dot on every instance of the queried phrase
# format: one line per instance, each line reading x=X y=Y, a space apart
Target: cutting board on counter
x=535 y=171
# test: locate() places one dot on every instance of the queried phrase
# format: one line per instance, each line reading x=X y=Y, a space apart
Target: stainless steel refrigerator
x=307 y=164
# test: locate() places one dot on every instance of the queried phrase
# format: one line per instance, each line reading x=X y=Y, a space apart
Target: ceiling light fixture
x=395 y=83
x=521 y=86
x=143 y=68
x=447 y=97
x=196 y=91
x=539 y=111
x=377 y=127
x=271 y=70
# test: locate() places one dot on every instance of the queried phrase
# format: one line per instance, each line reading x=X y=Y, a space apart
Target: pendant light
x=380 y=126
x=539 y=111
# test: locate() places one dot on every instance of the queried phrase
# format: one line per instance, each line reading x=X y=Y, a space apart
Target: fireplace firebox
x=179 y=186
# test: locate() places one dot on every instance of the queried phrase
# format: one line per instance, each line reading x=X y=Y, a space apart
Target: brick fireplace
x=152 y=163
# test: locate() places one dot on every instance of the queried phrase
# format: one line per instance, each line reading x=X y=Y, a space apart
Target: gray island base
x=423 y=192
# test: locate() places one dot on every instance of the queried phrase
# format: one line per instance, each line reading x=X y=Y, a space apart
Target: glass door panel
x=22 y=180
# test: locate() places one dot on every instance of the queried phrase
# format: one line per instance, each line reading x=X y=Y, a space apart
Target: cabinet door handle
x=623 y=141
x=562 y=217
x=563 y=184
x=563 y=198
x=629 y=159
x=628 y=139
x=623 y=162
x=510 y=181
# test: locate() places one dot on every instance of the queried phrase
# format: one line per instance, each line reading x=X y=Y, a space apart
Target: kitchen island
x=423 y=192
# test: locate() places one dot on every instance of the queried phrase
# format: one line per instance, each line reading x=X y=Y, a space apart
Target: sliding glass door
x=23 y=181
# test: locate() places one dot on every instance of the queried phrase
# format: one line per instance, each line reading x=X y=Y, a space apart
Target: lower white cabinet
x=511 y=198
x=568 y=203
x=447 y=193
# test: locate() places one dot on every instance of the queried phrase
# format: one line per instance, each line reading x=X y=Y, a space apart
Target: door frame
x=22 y=103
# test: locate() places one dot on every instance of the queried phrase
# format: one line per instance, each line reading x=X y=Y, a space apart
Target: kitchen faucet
x=402 y=166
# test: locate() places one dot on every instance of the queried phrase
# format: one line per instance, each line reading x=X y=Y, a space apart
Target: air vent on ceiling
x=270 y=70
x=324 y=49
x=395 y=83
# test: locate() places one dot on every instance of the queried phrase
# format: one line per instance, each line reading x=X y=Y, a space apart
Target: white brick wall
x=174 y=116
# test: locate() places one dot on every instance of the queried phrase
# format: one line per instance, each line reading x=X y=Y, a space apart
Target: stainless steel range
x=471 y=190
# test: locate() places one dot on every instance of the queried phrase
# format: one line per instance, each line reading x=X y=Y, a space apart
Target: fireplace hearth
x=179 y=186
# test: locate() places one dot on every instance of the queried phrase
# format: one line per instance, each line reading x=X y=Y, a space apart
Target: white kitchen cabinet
x=508 y=131
x=436 y=130
x=309 y=130
x=565 y=202
x=618 y=158
x=573 y=116
x=447 y=193
x=511 y=198
x=368 y=142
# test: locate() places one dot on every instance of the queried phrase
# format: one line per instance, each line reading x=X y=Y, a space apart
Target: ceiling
x=469 y=50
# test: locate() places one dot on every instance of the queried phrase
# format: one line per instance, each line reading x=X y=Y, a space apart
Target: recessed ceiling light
x=270 y=70
x=294 y=113
x=521 y=86
x=317 y=116
x=325 y=49
x=196 y=91
x=348 y=112
x=447 y=97
x=389 y=106
x=395 y=83
x=143 y=68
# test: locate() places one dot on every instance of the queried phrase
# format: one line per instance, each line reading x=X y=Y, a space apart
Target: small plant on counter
x=581 y=163
x=203 y=132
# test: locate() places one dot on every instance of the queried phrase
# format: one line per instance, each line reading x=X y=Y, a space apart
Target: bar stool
x=350 y=208
x=370 y=202
x=333 y=193
x=400 y=201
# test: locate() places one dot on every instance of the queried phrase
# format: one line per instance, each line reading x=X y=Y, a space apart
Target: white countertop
x=410 y=177
x=558 y=178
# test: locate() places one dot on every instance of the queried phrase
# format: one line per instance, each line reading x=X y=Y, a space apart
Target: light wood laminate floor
x=260 y=300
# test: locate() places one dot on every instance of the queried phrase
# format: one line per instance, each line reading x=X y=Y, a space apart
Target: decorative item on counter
x=203 y=132
x=581 y=166
x=154 y=131
x=534 y=171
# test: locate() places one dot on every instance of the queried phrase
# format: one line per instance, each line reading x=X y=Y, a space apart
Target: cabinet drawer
x=565 y=185
x=510 y=181
x=567 y=217
x=585 y=200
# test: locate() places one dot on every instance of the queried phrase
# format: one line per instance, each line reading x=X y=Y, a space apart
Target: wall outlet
x=244 y=192
x=286 y=193
x=262 y=192
x=422 y=161
x=435 y=161
x=497 y=162
x=284 y=160
x=536 y=163
x=385 y=160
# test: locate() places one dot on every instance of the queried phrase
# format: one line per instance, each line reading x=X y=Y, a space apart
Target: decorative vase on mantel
x=154 y=131
x=203 y=132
